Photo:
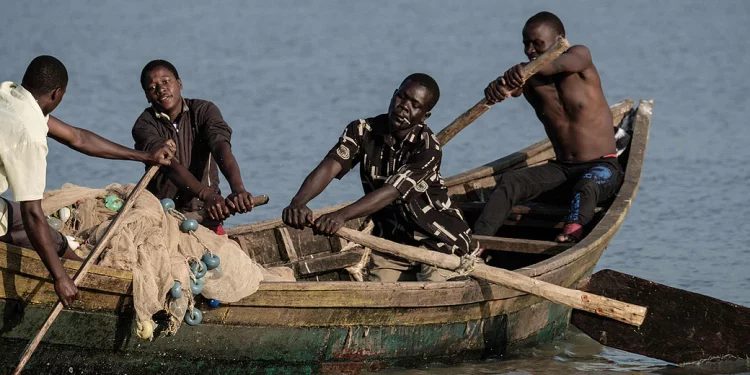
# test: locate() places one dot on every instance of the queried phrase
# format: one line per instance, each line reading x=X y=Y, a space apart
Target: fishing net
x=150 y=244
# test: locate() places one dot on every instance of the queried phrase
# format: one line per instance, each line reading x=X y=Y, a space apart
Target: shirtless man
x=568 y=99
x=25 y=124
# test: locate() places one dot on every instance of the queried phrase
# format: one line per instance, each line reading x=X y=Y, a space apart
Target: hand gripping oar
x=478 y=109
x=621 y=311
x=91 y=259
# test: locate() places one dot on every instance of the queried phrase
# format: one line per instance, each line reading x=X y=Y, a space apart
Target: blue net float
x=199 y=269
x=189 y=225
x=213 y=303
x=193 y=317
x=167 y=203
x=176 y=290
x=211 y=260
x=196 y=286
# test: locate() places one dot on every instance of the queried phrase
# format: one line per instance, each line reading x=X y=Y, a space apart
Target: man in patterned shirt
x=399 y=159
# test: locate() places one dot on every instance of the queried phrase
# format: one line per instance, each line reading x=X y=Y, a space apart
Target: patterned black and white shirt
x=423 y=214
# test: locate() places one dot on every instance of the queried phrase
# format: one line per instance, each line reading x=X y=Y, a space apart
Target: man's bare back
x=566 y=95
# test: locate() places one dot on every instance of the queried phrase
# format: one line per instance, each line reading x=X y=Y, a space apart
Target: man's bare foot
x=571 y=233
x=565 y=238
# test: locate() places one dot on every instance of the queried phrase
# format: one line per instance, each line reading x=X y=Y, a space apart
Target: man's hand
x=164 y=154
x=297 y=216
x=329 y=224
x=514 y=77
x=216 y=207
x=66 y=290
x=496 y=91
x=240 y=202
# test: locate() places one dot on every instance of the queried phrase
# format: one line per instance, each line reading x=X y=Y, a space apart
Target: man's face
x=537 y=38
x=408 y=106
x=163 y=89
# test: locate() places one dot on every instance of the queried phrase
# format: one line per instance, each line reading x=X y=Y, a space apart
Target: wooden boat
x=323 y=322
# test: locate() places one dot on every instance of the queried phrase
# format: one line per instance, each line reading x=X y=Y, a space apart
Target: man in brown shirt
x=203 y=147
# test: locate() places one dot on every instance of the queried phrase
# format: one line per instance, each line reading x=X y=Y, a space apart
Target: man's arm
x=372 y=202
x=240 y=200
x=91 y=144
x=297 y=214
x=38 y=232
x=575 y=60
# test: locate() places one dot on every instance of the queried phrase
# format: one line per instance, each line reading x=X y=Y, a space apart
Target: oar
x=680 y=326
x=620 y=311
x=482 y=106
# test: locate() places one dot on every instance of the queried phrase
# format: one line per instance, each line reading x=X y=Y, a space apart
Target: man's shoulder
x=366 y=125
x=427 y=136
x=199 y=105
x=147 y=116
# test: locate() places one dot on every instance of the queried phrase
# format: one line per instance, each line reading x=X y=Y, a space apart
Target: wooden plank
x=286 y=245
x=520 y=245
x=329 y=263
x=680 y=326
x=525 y=208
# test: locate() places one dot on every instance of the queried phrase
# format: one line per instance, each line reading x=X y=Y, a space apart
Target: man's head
x=412 y=102
x=47 y=79
x=540 y=33
x=162 y=85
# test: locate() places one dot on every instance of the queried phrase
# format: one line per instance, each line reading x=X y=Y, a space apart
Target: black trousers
x=592 y=182
x=17 y=232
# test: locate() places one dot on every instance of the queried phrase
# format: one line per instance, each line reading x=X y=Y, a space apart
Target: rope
x=182 y=217
x=357 y=270
x=174 y=324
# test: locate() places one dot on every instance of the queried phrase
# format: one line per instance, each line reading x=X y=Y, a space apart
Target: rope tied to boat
x=467 y=265
x=357 y=270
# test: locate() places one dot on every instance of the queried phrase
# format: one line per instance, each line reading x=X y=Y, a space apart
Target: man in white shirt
x=25 y=124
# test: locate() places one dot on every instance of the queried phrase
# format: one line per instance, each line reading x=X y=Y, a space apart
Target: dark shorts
x=17 y=232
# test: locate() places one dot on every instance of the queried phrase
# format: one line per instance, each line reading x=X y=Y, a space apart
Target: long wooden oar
x=680 y=327
x=482 y=106
x=620 y=311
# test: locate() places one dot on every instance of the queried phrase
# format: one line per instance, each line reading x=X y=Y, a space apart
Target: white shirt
x=23 y=147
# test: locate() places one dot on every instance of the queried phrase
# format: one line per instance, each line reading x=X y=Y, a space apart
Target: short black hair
x=153 y=65
x=548 y=19
x=427 y=82
x=44 y=74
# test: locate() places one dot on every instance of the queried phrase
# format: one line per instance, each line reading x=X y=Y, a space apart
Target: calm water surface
x=288 y=76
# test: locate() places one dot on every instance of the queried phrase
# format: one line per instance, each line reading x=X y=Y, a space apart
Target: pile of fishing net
x=150 y=244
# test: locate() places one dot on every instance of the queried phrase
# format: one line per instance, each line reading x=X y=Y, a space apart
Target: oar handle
x=90 y=260
x=621 y=311
x=259 y=200
x=482 y=106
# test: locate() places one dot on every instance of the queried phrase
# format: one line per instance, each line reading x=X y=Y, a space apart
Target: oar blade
x=680 y=326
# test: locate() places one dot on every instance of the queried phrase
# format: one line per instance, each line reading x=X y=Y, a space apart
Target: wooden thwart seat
x=525 y=208
x=516 y=245
x=328 y=263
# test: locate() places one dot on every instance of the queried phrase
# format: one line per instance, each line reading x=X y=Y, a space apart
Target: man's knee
x=507 y=186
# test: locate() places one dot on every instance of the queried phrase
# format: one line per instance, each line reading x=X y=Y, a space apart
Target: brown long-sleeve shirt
x=196 y=131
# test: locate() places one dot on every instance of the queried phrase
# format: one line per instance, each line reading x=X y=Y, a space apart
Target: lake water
x=288 y=76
